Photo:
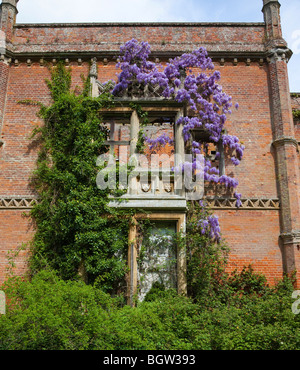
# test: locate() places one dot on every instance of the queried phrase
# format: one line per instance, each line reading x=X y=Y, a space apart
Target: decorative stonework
x=291 y=238
x=216 y=203
x=285 y=140
x=247 y=204
x=146 y=187
x=139 y=91
x=279 y=54
x=17 y=203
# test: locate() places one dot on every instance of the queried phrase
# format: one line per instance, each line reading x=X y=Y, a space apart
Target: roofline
x=141 y=24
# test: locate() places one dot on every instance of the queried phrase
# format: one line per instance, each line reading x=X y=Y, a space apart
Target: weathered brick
x=253 y=73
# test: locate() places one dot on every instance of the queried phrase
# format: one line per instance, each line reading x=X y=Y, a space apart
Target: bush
x=49 y=313
x=53 y=314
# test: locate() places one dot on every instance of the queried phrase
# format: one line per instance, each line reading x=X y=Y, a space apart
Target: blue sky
x=56 y=11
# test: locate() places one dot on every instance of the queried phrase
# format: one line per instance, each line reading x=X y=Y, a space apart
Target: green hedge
x=49 y=313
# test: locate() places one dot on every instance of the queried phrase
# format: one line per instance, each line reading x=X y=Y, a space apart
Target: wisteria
x=210 y=226
x=233 y=143
x=162 y=140
x=208 y=106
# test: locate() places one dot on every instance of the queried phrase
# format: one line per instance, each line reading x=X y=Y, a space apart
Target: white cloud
x=63 y=11
x=138 y=10
x=97 y=11
x=290 y=12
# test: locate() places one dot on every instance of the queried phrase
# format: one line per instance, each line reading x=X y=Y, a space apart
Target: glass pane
x=157 y=258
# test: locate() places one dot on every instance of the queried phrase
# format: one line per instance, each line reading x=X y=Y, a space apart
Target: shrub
x=49 y=313
x=53 y=314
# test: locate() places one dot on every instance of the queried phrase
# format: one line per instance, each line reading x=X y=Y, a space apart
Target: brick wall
x=256 y=244
x=252 y=237
x=238 y=51
x=164 y=38
x=16 y=232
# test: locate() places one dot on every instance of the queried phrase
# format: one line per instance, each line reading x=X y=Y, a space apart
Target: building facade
x=252 y=59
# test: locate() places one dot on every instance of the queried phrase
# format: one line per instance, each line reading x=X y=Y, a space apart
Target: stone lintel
x=157 y=203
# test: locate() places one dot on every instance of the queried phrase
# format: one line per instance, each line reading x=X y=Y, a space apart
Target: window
x=168 y=266
x=119 y=140
x=157 y=258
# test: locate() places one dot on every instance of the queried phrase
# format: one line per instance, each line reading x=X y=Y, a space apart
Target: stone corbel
x=5 y=59
x=279 y=54
x=285 y=140
x=291 y=238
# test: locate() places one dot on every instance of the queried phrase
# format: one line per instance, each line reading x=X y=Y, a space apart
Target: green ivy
x=296 y=113
x=77 y=233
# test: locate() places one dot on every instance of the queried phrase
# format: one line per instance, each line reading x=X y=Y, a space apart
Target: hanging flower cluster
x=162 y=140
x=207 y=104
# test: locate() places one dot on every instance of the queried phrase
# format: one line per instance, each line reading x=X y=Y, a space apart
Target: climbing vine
x=191 y=80
x=77 y=233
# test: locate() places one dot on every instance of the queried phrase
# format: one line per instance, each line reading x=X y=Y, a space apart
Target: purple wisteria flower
x=191 y=80
x=161 y=140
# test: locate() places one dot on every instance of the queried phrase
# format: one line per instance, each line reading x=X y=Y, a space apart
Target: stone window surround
x=180 y=219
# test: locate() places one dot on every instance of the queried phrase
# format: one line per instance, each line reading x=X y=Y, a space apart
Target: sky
x=76 y=11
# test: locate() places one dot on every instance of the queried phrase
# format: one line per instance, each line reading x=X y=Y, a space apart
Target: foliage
x=206 y=260
x=296 y=113
x=76 y=231
x=50 y=313
x=78 y=234
x=53 y=314
x=208 y=105
x=200 y=92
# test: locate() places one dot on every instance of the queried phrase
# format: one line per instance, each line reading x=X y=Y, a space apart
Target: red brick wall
x=15 y=232
x=251 y=234
x=170 y=38
x=18 y=155
x=252 y=237
x=248 y=85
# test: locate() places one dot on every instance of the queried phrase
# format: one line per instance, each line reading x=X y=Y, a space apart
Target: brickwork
x=164 y=38
x=16 y=232
x=252 y=61
x=253 y=239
